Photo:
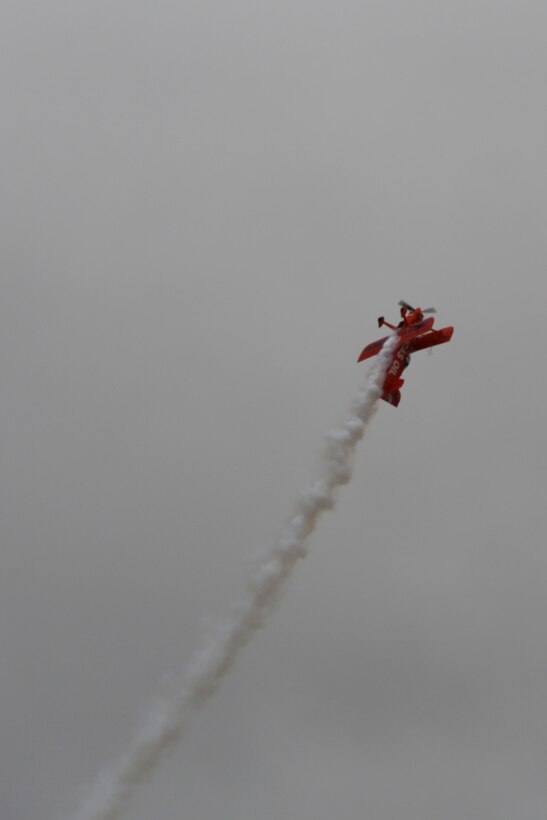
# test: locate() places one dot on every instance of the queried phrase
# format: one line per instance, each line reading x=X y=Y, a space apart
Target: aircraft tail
x=392 y=398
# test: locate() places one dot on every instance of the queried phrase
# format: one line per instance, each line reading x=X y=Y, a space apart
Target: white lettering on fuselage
x=399 y=360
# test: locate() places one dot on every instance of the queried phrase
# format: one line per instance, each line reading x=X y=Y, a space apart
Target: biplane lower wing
x=372 y=349
x=434 y=337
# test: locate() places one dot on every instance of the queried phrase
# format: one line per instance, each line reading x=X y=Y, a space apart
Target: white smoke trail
x=167 y=718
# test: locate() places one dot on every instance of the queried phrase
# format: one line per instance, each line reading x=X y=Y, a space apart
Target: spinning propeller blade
x=427 y=310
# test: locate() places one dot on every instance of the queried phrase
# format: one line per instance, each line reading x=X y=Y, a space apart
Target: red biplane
x=415 y=332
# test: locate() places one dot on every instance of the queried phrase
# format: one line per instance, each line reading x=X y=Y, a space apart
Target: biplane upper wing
x=372 y=349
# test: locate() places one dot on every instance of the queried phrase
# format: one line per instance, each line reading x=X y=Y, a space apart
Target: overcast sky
x=205 y=207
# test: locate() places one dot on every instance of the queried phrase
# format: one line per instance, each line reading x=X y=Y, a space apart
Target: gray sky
x=205 y=208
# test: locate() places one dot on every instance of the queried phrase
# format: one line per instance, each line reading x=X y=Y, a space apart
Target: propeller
x=427 y=310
